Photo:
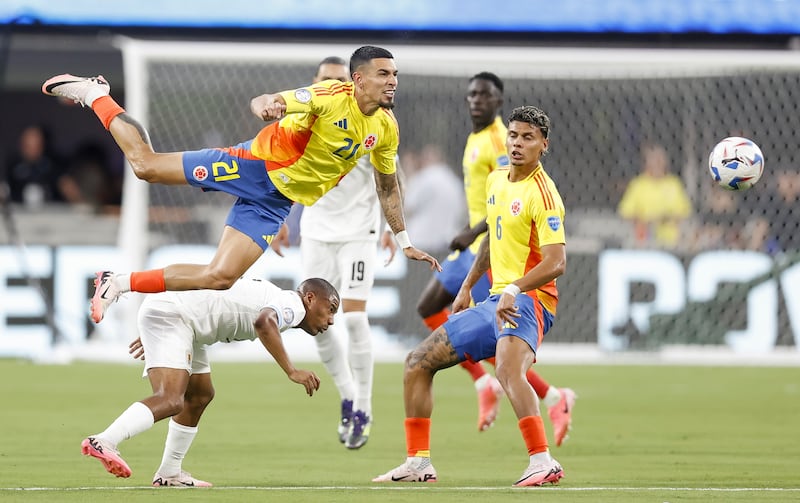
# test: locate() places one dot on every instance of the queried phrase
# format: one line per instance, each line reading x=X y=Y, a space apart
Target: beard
x=387 y=106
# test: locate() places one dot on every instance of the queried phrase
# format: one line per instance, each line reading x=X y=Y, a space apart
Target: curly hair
x=533 y=116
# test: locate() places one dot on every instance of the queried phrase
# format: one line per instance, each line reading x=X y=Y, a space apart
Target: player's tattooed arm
x=391 y=201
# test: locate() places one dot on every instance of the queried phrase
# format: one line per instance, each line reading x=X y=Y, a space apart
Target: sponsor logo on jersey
x=341 y=123
x=288 y=316
x=200 y=173
x=554 y=222
x=516 y=207
x=370 y=141
x=302 y=95
x=283 y=177
x=490 y=201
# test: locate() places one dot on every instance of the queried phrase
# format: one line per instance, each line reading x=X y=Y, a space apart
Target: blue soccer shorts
x=455 y=269
x=260 y=208
x=474 y=332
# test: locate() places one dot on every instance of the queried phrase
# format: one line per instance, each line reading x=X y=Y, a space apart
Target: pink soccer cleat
x=489 y=403
x=75 y=88
x=107 y=454
x=104 y=294
x=561 y=415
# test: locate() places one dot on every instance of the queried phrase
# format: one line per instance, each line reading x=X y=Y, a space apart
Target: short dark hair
x=366 y=54
x=532 y=116
x=331 y=60
x=319 y=286
x=494 y=79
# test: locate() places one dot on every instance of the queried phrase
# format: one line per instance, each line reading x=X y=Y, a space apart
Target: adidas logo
x=342 y=123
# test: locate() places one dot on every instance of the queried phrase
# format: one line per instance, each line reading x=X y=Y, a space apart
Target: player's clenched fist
x=268 y=107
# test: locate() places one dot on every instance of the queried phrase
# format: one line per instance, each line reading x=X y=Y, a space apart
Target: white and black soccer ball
x=736 y=163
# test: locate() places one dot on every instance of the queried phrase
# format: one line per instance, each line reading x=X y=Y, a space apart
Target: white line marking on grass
x=415 y=488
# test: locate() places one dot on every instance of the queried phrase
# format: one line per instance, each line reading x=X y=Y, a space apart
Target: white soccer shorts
x=168 y=340
x=349 y=266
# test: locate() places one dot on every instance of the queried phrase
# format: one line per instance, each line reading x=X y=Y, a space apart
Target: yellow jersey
x=523 y=216
x=320 y=139
x=484 y=152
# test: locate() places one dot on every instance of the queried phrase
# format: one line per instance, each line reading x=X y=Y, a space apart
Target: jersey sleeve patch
x=288 y=316
x=554 y=222
x=302 y=95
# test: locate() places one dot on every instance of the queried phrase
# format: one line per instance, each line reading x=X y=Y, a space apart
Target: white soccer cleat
x=104 y=294
x=540 y=474
x=75 y=88
x=413 y=470
x=184 y=479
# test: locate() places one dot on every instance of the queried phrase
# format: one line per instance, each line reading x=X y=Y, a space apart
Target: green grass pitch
x=660 y=434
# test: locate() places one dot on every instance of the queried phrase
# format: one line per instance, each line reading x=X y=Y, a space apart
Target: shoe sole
x=562 y=434
x=97 y=302
x=552 y=478
x=358 y=445
x=193 y=486
x=430 y=479
x=113 y=464
x=486 y=421
x=52 y=82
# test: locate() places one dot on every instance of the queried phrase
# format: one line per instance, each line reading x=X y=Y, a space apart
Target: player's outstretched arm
x=268 y=107
x=392 y=205
x=266 y=326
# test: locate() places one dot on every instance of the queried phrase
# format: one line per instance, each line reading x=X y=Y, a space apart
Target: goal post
x=604 y=104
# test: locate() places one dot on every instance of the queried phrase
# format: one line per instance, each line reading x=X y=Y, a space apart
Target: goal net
x=729 y=279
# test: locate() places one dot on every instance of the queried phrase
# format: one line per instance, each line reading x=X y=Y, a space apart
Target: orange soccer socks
x=533 y=434
x=148 y=281
x=418 y=436
x=106 y=109
x=436 y=320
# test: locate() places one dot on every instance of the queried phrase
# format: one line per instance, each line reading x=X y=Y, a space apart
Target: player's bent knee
x=172 y=406
x=144 y=170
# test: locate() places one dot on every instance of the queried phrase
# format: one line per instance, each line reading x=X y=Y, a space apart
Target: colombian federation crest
x=370 y=141
x=516 y=207
x=200 y=173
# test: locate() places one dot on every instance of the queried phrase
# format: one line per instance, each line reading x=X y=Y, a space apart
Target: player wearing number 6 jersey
x=322 y=132
x=525 y=248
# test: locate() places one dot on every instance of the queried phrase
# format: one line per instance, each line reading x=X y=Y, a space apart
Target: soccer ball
x=736 y=163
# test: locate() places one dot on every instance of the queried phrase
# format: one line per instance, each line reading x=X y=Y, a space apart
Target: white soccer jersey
x=227 y=315
x=348 y=212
